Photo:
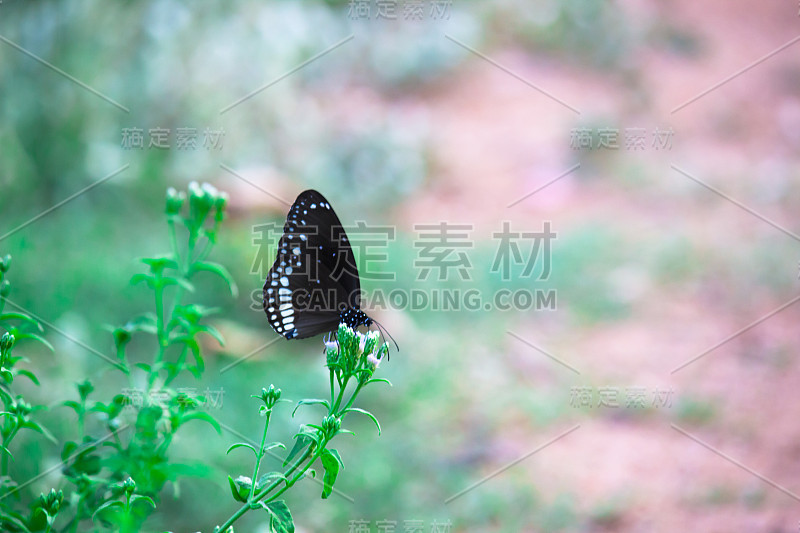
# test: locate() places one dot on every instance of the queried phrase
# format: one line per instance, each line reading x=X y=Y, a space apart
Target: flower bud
x=6 y=342
x=5 y=288
x=175 y=201
x=122 y=336
x=331 y=425
x=221 y=203
x=194 y=190
x=129 y=486
x=85 y=389
x=21 y=407
x=331 y=351
x=53 y=501
x=5 y=263
x=270 y=397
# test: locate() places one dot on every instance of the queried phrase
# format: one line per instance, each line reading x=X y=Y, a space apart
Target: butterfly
x=313 y=286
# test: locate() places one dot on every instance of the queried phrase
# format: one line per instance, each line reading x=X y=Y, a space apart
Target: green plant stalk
x=300 y=474
x=261 y=495
x=160 y=333
x=82 y=421
x=342 y=388
x=186 y=267
x=290 y=482
x=159 y=290
x=259 y=456
x=7 y=438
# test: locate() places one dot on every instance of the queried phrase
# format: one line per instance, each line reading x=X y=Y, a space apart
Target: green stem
x=160 y=332
x=261 y=495
x=352 y=399
x=332 y=389
x=259 y=456
x=300 y=474
x=4 y=462
x=185 y=267
x=173 y=238
x=7 y=438
x=342 y=388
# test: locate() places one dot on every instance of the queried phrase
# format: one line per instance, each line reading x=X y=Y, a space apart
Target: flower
x=362 y=344
x=373 y=361
x=330 y=344
x=175 y=201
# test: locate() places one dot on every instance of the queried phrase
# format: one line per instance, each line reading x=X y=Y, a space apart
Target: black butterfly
x=313 y=286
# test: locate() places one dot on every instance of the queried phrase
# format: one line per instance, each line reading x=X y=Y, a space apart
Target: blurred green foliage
x=327 y=126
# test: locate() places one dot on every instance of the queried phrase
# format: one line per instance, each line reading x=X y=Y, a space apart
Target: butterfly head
x=353 y=318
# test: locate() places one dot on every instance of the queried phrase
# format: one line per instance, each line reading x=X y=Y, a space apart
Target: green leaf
x=185 y=283
x=39 y=518
x=331 y=463
x=114 y=407
x=34 y=336
x=194 y=346
x=16 y=521
x=108 y=506
x=273 y=445
x=242 y=445
x=145 y=499
x=381 y=380
x=365 y=412
x=239 y=489
x=280 y=520
x=336 y=455
x=262 y=481
x=200 y=415
x=214 y=332
x=301 y=441
x=75 y=406
x=311 y=401
x=149 y=279
x=30 y=424
x=144 y=366
x=157 y=264
x=219 y=270
x=28 y=374
x=13 y=315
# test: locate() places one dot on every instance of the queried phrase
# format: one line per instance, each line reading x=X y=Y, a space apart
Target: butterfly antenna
x=382 y=329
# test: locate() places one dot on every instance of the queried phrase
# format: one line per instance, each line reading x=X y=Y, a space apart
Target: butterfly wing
x=314 y=274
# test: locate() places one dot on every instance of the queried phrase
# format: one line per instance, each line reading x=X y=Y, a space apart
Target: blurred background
x=666 y=246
